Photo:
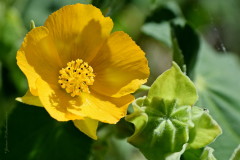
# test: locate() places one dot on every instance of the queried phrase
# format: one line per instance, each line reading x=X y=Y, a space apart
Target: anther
x=79 y=82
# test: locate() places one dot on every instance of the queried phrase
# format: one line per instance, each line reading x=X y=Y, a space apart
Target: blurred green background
x=205 y=32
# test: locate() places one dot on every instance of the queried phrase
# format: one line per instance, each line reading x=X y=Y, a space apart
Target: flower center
x=76 y=77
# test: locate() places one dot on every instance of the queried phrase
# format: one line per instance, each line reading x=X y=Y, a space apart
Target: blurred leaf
x=199 y=154
x=196 y=9
x=161 y=32
x=119 y=149
x=12 y=31
x=164 y=11
x=1 y=74
x=217 y=80
x=124 y=19
x=100 y=3
x=161 y=14
x=11 y=27
x=180 y=37
x=236 y=154
x=216 y=20
x=188 y=42
x=165 y=34
x=11 y=79
x=99 y=150
x=30 y=133
x=124 y=129
x=40 y=10
x=110 y=147
x=110 y=7
x=177 y=54
x=173 y=84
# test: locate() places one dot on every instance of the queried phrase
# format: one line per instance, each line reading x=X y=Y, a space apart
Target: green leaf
x=199 y=154
x=164 y=11
x=164 y=33
x=160 y=32
x=167 y=25
x=180 y=37
x=12 y=32
x=11 y=26
x=177 y=52
x=161 y=127
x=236 y=154
x=30 y=133
x=217 y=80
x=119 y=149
x=188 y=42
x=205 y=128
x=173 y=84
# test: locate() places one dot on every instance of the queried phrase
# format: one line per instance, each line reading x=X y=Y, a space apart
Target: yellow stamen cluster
x=76 y=77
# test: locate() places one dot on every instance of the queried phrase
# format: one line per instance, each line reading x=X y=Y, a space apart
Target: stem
x=143 y=88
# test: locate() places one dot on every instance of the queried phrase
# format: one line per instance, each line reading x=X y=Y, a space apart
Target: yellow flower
x=77 y=70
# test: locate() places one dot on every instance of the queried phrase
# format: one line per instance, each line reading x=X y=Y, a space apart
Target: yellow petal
x=37 y=57
x=78 y=31
x=120 y=66
x=61 y=106
x=28 y=98
x=87 y=126
x=56 y=101
x=102 y=108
